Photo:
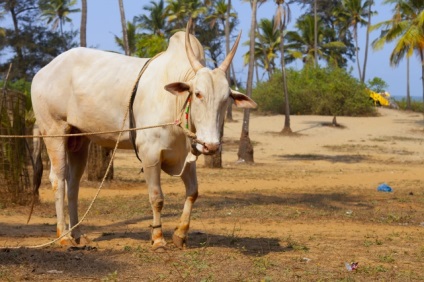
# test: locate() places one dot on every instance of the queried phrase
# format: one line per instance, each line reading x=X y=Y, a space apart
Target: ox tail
x=37 y=165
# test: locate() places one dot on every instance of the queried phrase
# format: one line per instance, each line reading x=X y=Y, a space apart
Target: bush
x=416 y=106
x=318 y=91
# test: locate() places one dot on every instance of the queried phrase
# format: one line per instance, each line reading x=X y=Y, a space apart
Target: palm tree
x=56 y=12
x=155 y=20
x=130 y=47
x=179 y=11
x=245 y=151
x=221 y=12
x=301 y=43
x=370 y=13
x=124 y=28
x=282 y=18
x=406 y=28
x=355 y=13
x=83 y=27
x=266 y=47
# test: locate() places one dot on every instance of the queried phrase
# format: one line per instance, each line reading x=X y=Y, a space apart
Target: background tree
x=267 y=46
x=245 y=151
x=330 y=19
x=124 y=29
x=31 y=43
x=154 y=21
x=130 y=46
x=406 y=29
x=56 y=12
x=83 y=27
x=301 y=42
x=354 y=13
x=221 y=12
x=282 y=18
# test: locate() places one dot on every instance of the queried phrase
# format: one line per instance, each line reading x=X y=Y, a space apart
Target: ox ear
x=241 y=100
x=177 y=88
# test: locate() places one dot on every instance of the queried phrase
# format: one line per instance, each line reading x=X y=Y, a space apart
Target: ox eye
x=198 y=95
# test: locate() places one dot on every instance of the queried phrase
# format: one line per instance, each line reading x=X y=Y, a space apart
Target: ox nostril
x=211 y=147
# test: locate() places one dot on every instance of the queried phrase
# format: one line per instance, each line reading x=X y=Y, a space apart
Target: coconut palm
x=179 y=11
x=131 y=29
x=56 y=12
x=355 y=13
x=267 y=46
x=221 y=13
x=282 y=18
x=245 y=151
x=406 y=29
x=301 y=43
x=83 y=27
x=154 y=22
x=124 y=29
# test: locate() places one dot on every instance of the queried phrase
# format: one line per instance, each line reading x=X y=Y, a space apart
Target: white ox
x=85 y=90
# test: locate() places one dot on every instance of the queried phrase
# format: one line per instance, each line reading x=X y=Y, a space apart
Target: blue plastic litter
x=384 y=188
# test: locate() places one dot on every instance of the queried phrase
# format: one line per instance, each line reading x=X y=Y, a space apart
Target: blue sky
x=104 y=23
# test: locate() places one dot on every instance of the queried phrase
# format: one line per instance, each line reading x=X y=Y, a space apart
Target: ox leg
x=152 y=175
x=190 y=180
x=57 y=154
x=77 y=160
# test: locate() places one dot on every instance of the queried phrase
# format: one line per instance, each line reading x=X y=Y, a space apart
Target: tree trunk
x=367 y=39
x=286 y=128
x=315 y=34
x=124 y=28
x=215 y=161
x=245 y=152
x=18 y=49
x=83 y=28
x=98 y=157
x=408 y=92
x=422 y=77
x=355 y=36
x=98 y=161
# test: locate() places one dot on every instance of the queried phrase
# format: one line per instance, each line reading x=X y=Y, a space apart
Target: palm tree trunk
x=245 y=152
x=18 y=48
x=286 y=128
x=227 y=50
x=408 y=93
x=83 y=28
x=98 y=161
x=422 y=79
x=124 y=28
x=315 y=34
x=355 y=35
x=367 y=42
x=98 y=157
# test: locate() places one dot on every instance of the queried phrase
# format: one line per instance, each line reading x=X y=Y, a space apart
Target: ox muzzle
x=199 y=147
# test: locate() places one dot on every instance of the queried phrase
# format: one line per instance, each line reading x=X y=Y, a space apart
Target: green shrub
x=416 y=106
x=318 y=91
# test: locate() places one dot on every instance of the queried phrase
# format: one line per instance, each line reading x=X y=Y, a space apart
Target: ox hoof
x=179 y=242
x=69 y=241
x=159 y=246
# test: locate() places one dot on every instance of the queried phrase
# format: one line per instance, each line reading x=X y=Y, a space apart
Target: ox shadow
x=257 y=246
x=49 y=264
x=346 y=158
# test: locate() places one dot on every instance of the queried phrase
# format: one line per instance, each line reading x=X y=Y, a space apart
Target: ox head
x=210 y=93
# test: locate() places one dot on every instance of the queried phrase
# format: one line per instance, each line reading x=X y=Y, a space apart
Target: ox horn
x=227 y=62
x=194 y=62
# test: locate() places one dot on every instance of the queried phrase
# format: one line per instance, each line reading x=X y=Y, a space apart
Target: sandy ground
x=308 y=205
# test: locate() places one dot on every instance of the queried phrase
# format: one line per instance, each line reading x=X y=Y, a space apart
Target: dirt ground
x=305 y=211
